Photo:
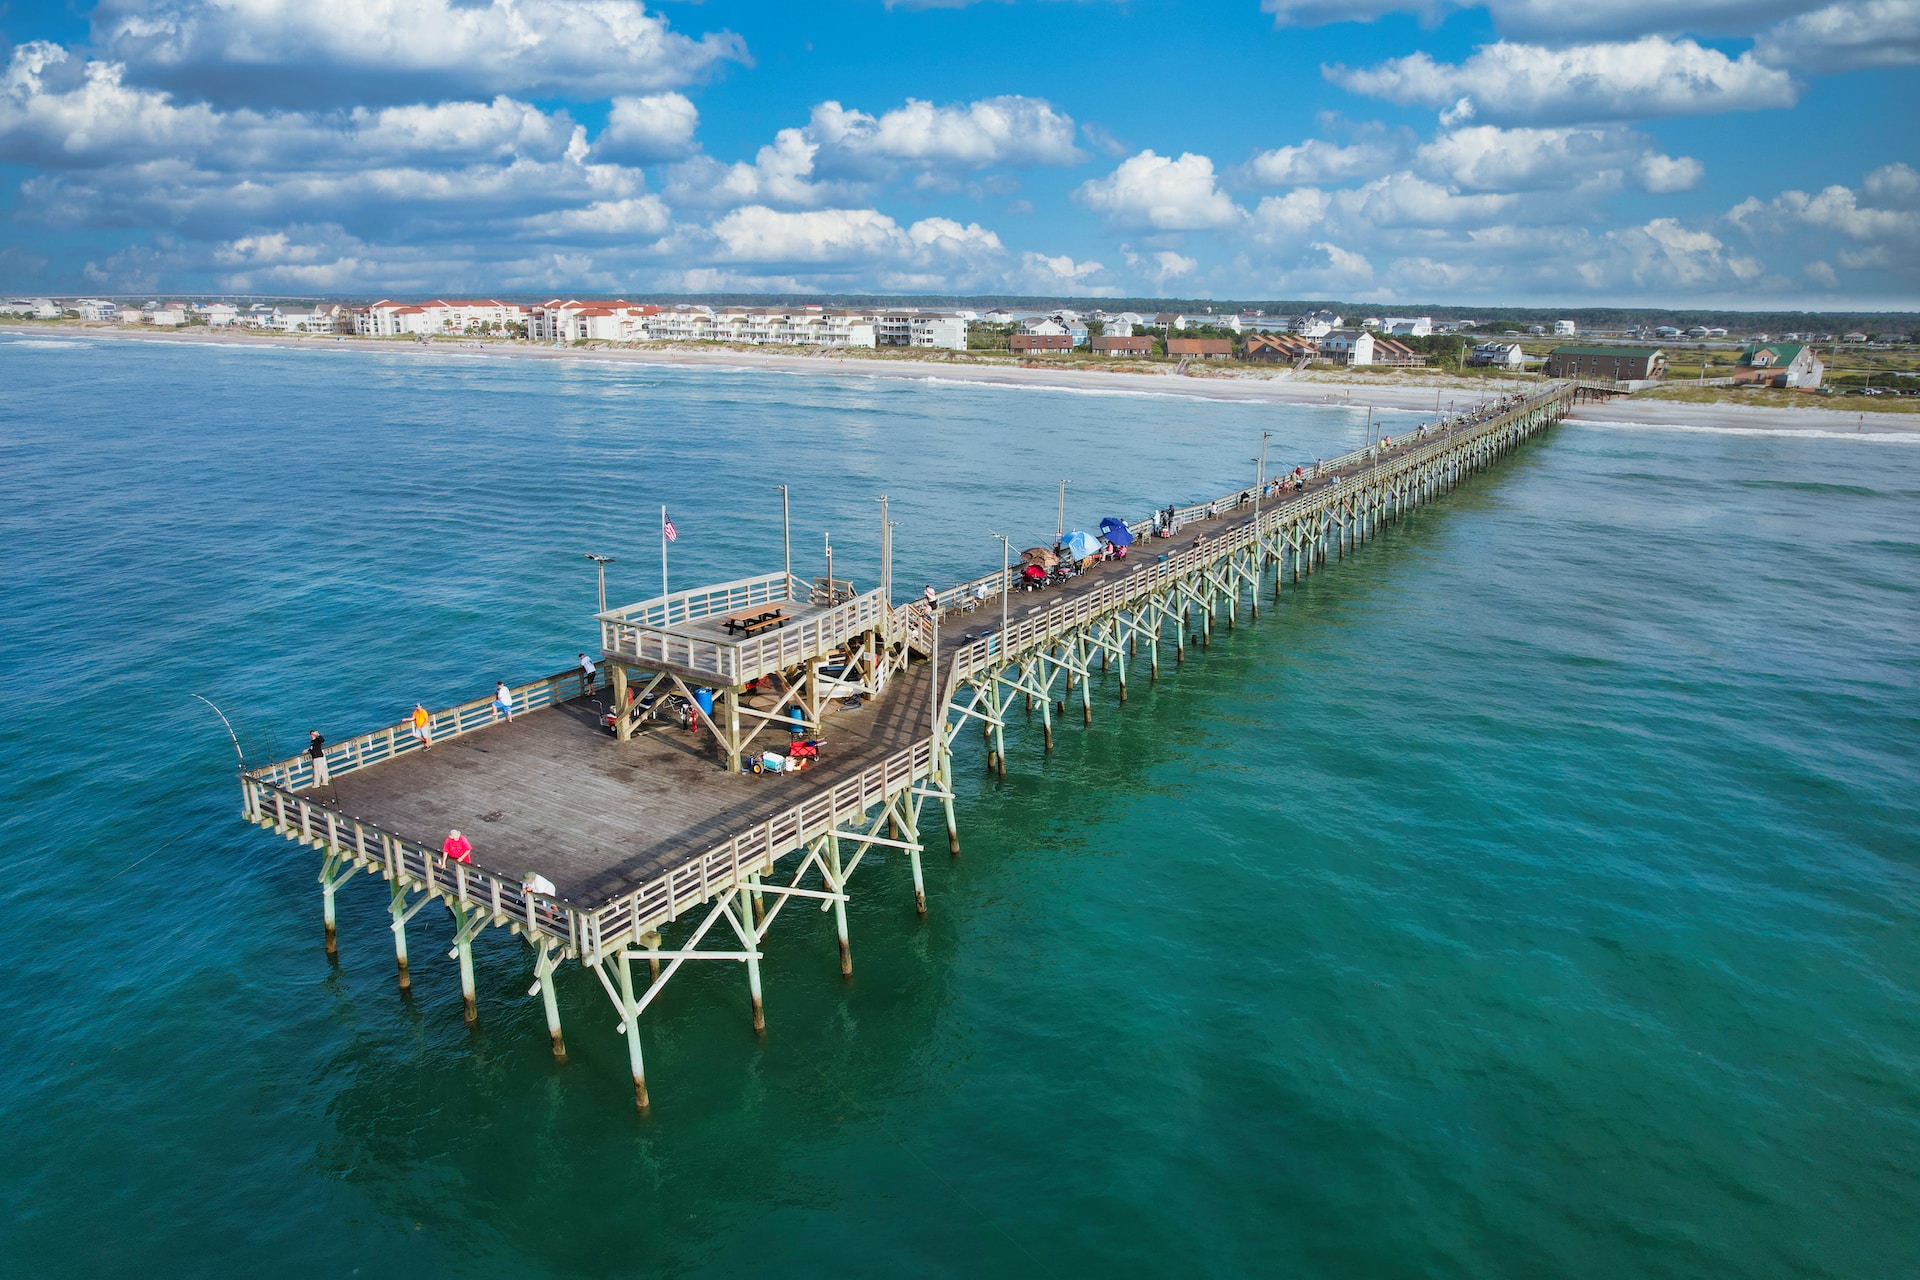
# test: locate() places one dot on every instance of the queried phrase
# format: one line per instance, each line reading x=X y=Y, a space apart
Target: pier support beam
x=913 y=859
x=543 y=983
x=840 y=904
x=397 y=908
x=466 y=923
x=753 y=962
x=630 y=1023
x=331 y=878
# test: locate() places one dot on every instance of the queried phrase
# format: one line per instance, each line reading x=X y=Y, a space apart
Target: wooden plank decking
x=553 y=792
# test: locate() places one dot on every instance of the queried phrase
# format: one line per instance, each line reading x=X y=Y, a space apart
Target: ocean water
x=1535 y=894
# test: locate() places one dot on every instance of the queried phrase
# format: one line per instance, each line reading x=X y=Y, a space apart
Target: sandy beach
x=1758 y=419
x=1413 y=391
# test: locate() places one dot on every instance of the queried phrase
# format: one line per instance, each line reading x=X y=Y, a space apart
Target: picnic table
x=751 y=622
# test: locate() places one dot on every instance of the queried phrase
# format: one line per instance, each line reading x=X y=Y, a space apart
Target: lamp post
x=1006 y=586
x=829 y=541
x=1260 y=479
x=886 y=553
x=786 y=538
x=1060 y=524
x=601 y=563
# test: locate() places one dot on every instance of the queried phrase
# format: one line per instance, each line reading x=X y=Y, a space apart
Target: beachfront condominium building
x=1620 y=364
x=389 y=319
x=941 y=329
x=587 y=320
x=762 y=326
x=97 y=310
x=1288 y=348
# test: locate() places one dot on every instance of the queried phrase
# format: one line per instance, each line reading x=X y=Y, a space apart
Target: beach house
x=1780 y=364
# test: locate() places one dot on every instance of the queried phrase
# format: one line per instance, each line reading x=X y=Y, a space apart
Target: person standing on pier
x=503 y=700
x=457 y=848
x=587 y=673
x=317 y=752
x=422 y=726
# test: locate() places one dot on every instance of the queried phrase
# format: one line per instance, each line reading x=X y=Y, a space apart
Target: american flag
x=666 y=527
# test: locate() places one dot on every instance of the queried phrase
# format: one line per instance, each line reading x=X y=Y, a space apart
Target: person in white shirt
x=503 y=700
x=587 y=672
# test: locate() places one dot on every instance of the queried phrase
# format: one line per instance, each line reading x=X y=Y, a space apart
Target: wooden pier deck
x=554 y=793
x=654 y=831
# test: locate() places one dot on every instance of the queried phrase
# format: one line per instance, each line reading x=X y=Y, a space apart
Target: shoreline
x=1235 y=385
x=1412 y=393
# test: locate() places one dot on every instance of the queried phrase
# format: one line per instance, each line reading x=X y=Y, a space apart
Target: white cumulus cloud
x=1317 y=160
x=1533 y=84
x=656 y=126
x=1010 y=130
x=1161 y=192
x=1845 y=36
x=1488 y=158
x=299 y=51
x=1555 y=19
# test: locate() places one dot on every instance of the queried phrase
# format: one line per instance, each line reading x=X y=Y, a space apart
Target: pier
x=621 y=829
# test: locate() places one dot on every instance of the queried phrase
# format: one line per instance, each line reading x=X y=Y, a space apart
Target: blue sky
x=1758 y=154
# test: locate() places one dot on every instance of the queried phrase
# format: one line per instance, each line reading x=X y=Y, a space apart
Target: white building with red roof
x=389 y=319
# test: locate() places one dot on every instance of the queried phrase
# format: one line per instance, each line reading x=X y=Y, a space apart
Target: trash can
x=705 y=698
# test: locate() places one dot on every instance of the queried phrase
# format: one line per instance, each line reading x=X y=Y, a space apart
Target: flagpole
x=663 y=554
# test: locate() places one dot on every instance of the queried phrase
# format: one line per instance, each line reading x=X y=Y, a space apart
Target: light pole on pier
x=1060 y=524
x=1260 y=479
x=828 y=537
x=886 y=553
x=786 y=535
x=1006 y=586
x=601 y=563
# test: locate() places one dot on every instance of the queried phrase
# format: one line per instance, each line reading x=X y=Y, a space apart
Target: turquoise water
x=1534 y=895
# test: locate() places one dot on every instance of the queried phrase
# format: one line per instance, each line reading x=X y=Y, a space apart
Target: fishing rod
x=230 y=733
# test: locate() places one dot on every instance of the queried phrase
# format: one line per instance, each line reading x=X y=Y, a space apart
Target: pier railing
x=1038 y=629
x=712 y=601
x=991 y=584
x=502 y=896
x=627 y=634
x=369 y=749
x=755 y=849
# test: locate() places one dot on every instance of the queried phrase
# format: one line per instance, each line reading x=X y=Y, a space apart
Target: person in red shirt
x=457 y=848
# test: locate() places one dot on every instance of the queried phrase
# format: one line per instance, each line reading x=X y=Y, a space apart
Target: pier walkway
x=596 y=844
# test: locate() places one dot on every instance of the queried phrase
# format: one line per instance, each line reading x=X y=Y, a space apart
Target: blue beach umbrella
x=1080 y=544
x=1115 y=530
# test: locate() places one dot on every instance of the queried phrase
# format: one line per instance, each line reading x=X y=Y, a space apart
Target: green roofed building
x=1780 y=364
x=1621 y=364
